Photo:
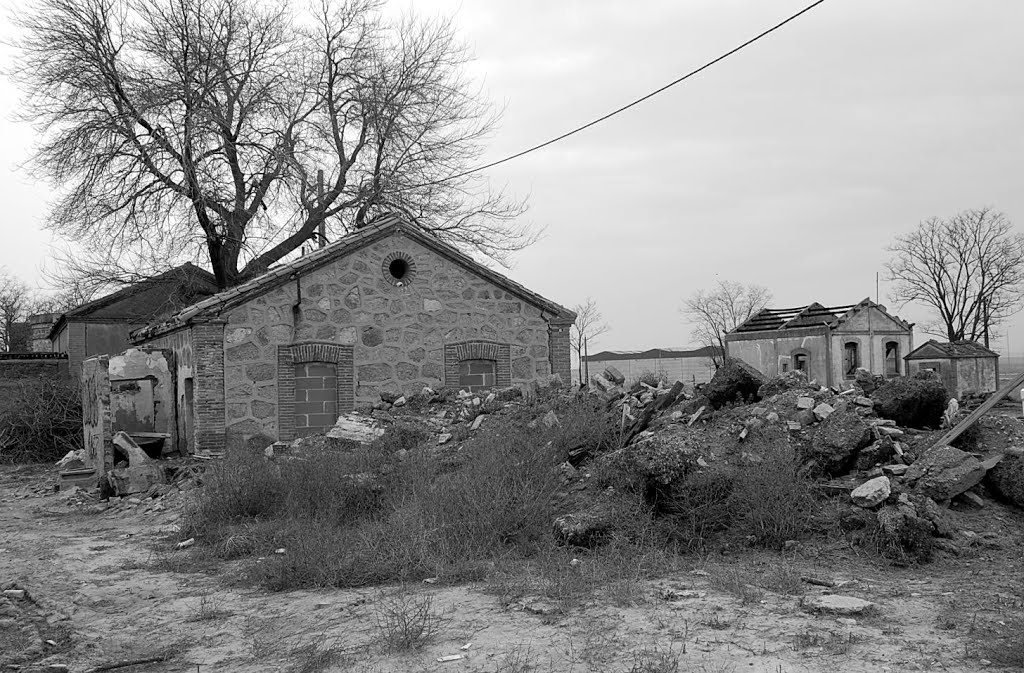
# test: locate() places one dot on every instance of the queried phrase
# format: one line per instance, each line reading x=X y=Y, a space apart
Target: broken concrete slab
x=837 y=605
x=871 y=493
x=945 y=472
x=356 y=427
x=823 y=411
x=614 y=375
x=141 y=471
x=805 y=403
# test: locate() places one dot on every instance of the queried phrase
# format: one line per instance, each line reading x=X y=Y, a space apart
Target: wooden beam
x=973 y=417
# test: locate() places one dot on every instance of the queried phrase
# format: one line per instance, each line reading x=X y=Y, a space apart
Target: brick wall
x=559 y=352
x=499 y=353
x=307 y=371
x=208 y=381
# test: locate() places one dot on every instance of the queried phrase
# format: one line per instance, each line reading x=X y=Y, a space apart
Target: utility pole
x=322 y=229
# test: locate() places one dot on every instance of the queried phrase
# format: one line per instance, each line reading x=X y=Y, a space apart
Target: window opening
x=851 y=358
x=892 y=358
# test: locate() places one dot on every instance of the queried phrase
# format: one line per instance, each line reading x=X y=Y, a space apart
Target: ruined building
x=388 y=309
x=829 y=343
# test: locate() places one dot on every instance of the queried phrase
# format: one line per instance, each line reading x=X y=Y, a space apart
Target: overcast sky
x=792 y=164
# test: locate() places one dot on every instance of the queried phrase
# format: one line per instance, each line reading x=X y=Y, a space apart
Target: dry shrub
x=368 y=516
x=912 y=401
x=758 y=497
x=40 y=420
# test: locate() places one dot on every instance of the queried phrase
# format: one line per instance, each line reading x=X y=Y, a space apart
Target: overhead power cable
x=628 y=105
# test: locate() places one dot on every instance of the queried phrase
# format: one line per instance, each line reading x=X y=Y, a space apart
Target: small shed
x=963 y=366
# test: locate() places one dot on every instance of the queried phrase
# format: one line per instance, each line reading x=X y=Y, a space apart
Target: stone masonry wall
x=397 y=329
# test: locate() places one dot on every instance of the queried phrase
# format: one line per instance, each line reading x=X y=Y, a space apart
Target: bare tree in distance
x=16 y=303
x=718 y=310
x=588 y=326
x=233 y=130
x=968 y=269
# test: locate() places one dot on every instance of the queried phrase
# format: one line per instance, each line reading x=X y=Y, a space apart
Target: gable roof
x=146 y=300
x=953 y=350
x=378 y=230
x=812 y=315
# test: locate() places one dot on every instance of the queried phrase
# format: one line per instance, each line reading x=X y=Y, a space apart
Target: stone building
x=387 y=309
x=963 y=366
x=828 y=343
x=102 y=326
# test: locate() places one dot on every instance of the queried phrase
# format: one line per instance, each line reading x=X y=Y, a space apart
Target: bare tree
x=16 y=304
x=237 y=131
x=588 y=326
x=721 y=309
x=968 y=268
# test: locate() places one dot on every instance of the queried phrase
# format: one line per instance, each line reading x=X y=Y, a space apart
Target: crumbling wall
x=179 y=344
x=142 y=394
x=96 y=416
x=772 y=354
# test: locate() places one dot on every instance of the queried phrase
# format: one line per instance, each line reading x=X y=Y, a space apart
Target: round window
x=398 y=269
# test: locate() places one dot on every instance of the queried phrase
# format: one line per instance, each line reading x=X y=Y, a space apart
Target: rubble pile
x=892 y=486
x=869 y=442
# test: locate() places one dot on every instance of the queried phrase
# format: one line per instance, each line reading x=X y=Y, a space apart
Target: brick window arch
x=465 y=365
x=309 y=370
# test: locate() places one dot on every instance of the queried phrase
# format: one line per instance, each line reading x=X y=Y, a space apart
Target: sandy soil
x=102 y=588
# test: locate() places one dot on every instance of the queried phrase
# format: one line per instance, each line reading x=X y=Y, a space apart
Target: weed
x=741 y=582
x=519 y=659
x=782 y=579
x=316 y=656
x=208 y=608
x=716 y=623
x=656 y=660
x=406 y=621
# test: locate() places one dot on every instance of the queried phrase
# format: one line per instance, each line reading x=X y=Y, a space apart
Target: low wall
x=17 y=367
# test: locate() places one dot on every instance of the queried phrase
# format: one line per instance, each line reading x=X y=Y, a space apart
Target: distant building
x=963 y=366
x=672 y=364
x=828 y=343
x=102 y=326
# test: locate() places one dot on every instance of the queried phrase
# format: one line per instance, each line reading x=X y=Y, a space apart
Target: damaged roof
x=953 y=350
x=146 y=300
x=380 y=229
x=812 y=315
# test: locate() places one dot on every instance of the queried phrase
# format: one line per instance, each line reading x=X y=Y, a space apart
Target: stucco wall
x=398 y=333
x=771 y=355
x=977 y=375
x=179 y=343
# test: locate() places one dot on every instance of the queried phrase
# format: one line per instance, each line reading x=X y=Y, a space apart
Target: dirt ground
x=105 y=587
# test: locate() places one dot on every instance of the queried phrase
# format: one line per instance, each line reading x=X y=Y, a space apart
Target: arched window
x=892 y=358
x=851 y=359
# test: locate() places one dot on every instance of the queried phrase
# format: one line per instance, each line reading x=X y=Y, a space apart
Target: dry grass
x=406 y=621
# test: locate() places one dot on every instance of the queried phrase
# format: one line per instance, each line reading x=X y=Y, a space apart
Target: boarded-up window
x=892 y=358
x=851 y=358
x=477 y=375
x=316 y=397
